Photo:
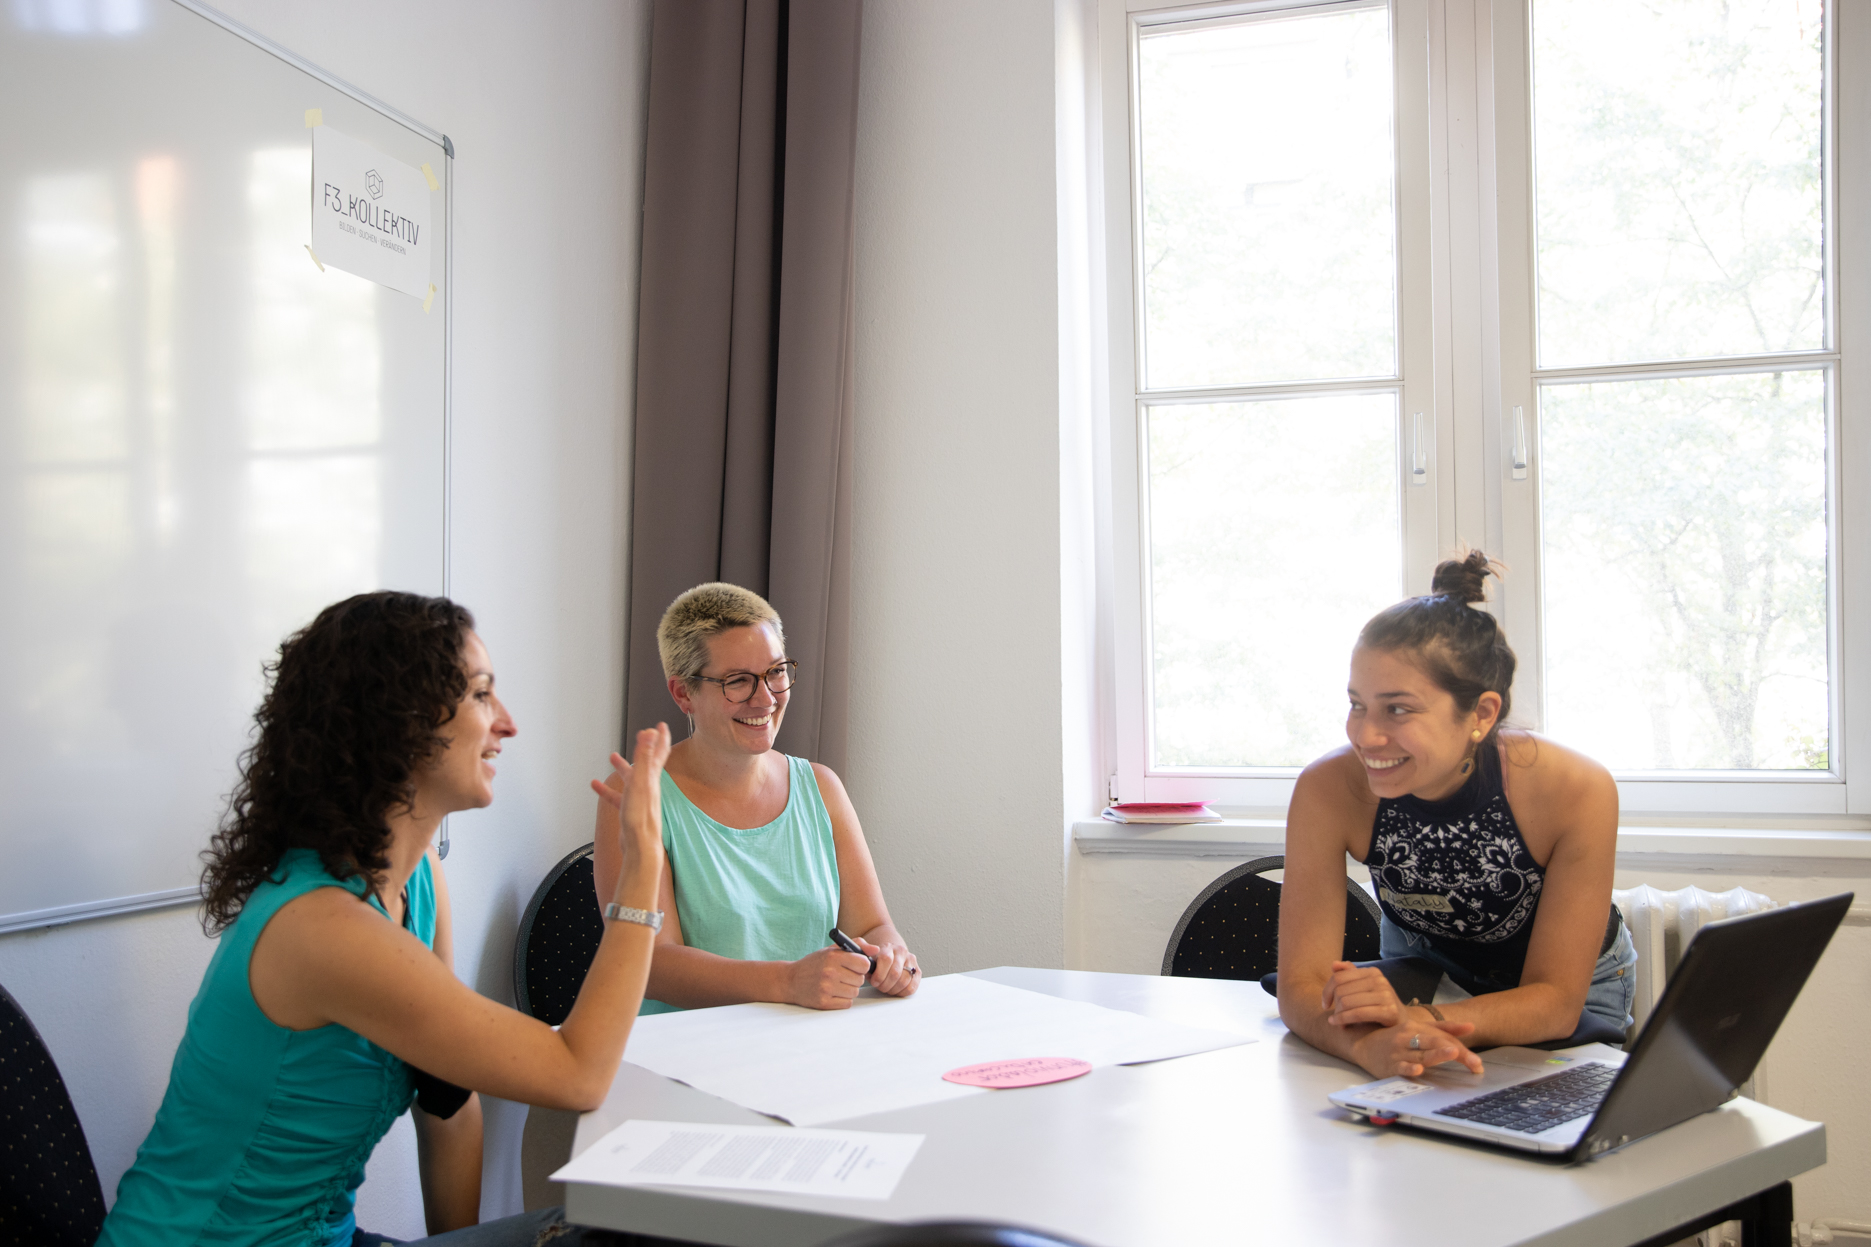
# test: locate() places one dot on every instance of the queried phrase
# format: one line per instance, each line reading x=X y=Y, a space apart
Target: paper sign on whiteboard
x=370 y=213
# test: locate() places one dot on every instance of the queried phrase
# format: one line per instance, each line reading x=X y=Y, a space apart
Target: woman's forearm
x=692 y=978
x=884 y=933
x=1530 y=1013
x=595 y=1031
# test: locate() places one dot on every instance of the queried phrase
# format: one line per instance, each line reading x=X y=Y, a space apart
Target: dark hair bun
x=1464 y=579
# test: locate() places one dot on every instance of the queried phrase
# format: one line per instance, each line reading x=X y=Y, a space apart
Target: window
x=1555 y=278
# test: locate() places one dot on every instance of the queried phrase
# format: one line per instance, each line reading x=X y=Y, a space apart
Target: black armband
x=438 y=1097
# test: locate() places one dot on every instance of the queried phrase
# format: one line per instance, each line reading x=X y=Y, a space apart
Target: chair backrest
x=1232 y=929
x=49 y=1193
x=559 y=935
x=951 y=1234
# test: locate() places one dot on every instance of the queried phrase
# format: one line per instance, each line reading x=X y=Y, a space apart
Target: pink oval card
x=1030 y=1072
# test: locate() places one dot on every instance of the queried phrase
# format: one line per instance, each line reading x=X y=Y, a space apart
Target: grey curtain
x=745 y=337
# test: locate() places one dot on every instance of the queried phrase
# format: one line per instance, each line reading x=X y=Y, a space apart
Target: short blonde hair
x=703 y=612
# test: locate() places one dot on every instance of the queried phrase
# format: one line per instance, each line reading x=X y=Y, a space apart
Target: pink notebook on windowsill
x=1161 y=812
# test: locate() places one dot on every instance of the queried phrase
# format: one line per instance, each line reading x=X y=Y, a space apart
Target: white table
x=1238 y=1145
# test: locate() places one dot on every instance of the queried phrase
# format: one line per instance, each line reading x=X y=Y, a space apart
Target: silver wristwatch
x=651 y=918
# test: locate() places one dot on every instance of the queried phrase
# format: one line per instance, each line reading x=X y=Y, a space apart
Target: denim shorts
x=1613 y=989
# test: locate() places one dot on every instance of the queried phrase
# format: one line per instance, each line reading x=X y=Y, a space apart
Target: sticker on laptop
x=1395 y=1089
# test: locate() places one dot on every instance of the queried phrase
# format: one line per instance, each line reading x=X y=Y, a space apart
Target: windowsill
x=1683 y=848
x=1234 y=837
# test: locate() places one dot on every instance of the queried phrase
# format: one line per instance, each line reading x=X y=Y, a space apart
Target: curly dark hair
x=357 y=702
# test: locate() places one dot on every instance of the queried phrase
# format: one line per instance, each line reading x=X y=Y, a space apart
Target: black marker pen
x=851 y=946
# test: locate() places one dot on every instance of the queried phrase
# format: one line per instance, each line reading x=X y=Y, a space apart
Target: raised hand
x=631 y=797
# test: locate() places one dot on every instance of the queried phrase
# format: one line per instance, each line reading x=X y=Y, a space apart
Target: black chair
x=49 y=1192
x=951 y=1234
x=559 y=936
x=1232 y=929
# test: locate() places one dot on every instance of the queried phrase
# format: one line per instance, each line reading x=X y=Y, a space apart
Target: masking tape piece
x=429 y=173
x=431 y=297
x=315 y=259
x=314 y=117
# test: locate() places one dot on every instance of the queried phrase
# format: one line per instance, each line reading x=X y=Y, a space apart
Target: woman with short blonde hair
x=703 y=613
x=765 y=852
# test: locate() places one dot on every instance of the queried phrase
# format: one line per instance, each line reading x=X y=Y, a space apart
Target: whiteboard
x=204 y=438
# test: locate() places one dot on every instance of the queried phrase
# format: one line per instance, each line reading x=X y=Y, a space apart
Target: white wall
x=957 y=758
x=1123 y=909
x=545 y=330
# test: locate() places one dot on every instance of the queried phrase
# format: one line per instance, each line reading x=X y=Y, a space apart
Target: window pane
x=1275 y=533
x=1269 y=239
x=1685 y=571
x=1678 y=187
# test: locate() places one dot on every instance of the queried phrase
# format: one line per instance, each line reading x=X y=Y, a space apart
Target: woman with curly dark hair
x=331 y=992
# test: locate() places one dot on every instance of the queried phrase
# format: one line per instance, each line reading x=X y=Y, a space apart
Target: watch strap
x=651 y=918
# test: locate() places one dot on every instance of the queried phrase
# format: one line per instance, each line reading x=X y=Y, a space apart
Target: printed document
x=809 y=1067
x=856 y=1164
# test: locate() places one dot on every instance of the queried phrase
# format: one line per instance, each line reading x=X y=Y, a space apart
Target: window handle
x=1419 y=455
x=1520 y=443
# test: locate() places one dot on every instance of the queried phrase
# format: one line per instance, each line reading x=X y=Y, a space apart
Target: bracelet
x=1433 y=1011
x=651 y=918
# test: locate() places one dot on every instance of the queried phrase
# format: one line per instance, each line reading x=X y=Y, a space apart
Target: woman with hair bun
x=1491 y=850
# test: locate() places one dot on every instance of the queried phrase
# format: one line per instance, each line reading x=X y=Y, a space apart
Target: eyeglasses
x=739 y=688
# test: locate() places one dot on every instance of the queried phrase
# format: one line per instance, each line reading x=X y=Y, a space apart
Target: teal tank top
x=263 y=1133
x=765 y=894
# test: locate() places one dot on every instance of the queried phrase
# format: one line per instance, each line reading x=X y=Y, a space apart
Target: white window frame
x=1466 y=361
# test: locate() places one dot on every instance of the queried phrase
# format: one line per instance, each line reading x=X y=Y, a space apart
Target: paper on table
x=884 y=1053
x=857 y=1164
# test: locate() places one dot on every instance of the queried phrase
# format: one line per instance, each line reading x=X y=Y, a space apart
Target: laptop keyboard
x=1531 y=1107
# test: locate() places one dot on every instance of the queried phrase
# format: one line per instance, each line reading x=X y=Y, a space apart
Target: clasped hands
x=830 y=978
x=1401 y=1039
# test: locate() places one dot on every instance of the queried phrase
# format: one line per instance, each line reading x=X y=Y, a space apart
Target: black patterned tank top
x=1458 y=872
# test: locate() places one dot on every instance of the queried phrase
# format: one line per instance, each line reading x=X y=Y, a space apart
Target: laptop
x=1732 y=989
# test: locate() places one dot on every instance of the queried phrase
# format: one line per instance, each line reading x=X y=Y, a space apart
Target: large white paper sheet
x=856 y=1164
x=807 y=1067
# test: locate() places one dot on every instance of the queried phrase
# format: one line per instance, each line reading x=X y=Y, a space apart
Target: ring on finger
x=1416 y=1042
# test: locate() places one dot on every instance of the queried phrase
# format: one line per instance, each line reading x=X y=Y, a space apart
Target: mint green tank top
x=765 y=894
x=263 y=1133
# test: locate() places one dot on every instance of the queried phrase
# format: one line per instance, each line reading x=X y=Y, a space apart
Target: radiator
x=1662 y=924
